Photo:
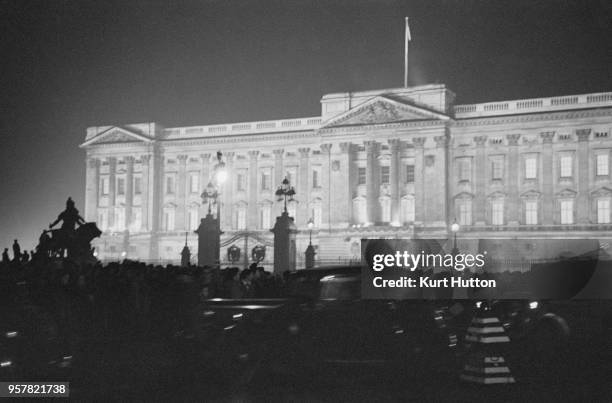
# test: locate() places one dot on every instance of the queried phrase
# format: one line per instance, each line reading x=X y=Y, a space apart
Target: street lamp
x=285 y=190
x=454 y=230
x=210 y=229
x=310 y=225
x=210 y=195
x=310 y=252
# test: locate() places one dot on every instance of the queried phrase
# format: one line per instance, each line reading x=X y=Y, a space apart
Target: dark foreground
x=176 y=370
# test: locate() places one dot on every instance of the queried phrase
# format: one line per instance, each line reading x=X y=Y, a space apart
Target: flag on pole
x=408 y=37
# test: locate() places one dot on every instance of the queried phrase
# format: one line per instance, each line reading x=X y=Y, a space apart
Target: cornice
x=533 y=117
x=393 y=125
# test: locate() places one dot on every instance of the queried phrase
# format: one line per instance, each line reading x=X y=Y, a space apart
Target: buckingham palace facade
x=400 y=163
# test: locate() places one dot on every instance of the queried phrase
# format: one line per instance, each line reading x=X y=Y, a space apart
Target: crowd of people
x=129 y=298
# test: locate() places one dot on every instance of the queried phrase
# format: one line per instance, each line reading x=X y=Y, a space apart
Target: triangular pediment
x=380 y=110
x=116 y=135
x=567 y=193
x=601 y=192
x=530 y=194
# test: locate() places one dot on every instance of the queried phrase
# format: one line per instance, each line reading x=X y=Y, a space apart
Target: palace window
x=497 y=212
x=291 y=176
x=137 y=185
x=241 y=179
x=384 y=175
x=602 y=164
x=266 y=178
x=168 y=223
x=531 y=167
x=193 y=216
x=136 y=219
x=361 y=176
x=194 y=182
x=105 y=186
x=317 y=214
x=119 y=218
x=385 y=209
x=264 y=216
x=407 y=209
x=103 y=219
x=464 y=169
x=359 y=211
x=603 y=211
x=121 y=186
x=169 y=184
x=316 y=172
x=409 y=173
x=241 y=214
x=292 y=209
x=531 y=212
x=465 y=211
x=497 y=168
x=565 y=165
x=567 y=211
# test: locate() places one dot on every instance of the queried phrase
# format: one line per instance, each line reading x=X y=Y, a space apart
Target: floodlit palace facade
x=398 y=163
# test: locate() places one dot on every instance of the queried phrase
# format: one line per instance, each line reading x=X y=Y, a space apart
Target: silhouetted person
x=25 y=256
x=5 y=256
x=16 y=251
x=43 y=244
x=70 y=217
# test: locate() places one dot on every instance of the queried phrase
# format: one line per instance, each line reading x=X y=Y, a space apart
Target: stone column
x=372 y=185
x=394 y=175
x=326 y=185
x=112 y=194
x=204 y=179
x=436 y=185
x=181 y=193
x=582 y=198
x=342 y=206
x=129 y=191
x=156 y=179
x=513 y=177
x=92 y=189
x=419 y=185
x=548 y=207
x=252 y=211
x=228 y=192
x=480 y=182
x=303 y=191
x=146 y=226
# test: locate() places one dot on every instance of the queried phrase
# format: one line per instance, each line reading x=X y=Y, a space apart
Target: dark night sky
x=67 y=65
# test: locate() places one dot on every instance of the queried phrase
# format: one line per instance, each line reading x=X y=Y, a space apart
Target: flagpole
x=406 y=40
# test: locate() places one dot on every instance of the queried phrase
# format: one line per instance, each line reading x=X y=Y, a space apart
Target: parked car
x=324 y=323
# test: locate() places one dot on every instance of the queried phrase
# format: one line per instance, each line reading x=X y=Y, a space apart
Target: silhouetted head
x=69 y=203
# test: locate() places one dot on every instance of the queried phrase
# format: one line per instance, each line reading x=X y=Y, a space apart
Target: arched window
x=169 y=215
x=193 y=216
x=240 y=221
x=407 y=209
x=385 y=209
x=359 y=210
x=316 y=212
x=102 y=219
x=265 y=213
x=136 y=219
x=292 y=208
x=119 y=218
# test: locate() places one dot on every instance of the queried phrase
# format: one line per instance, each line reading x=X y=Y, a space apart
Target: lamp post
x=454 y=230
x=209 y=231
x=284 y=191
x=310 y=252
x=284 y=232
